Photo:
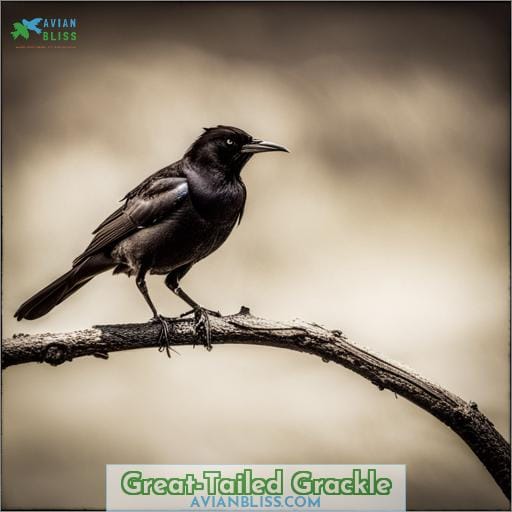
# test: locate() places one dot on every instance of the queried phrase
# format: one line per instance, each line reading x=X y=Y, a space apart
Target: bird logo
x=32 y=24
x=23 y=29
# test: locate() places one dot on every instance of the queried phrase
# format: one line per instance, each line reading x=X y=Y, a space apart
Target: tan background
x=389 y=220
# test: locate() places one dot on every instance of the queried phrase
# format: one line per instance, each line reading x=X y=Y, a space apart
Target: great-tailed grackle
x=173 y=219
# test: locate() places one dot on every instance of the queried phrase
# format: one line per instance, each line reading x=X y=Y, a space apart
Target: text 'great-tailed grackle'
x=169 y=222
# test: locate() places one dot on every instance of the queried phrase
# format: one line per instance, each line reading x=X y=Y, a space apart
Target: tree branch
x=463 y=418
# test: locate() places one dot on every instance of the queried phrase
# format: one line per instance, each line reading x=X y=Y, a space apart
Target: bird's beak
x=261 y=146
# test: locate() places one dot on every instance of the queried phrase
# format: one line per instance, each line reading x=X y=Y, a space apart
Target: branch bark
x=462 y=417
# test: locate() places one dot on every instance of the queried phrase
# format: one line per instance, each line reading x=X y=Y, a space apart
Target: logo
x=43 y=32
x=263 y=488
x=23 y=29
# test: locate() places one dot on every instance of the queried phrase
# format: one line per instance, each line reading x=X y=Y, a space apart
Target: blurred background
x=388 y=220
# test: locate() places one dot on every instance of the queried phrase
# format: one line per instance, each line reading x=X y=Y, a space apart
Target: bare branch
x=463 y=418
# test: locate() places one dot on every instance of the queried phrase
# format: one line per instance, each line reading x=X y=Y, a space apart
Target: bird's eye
x=229 y=142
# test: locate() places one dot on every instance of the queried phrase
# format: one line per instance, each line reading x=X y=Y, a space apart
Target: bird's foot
x=202 y=326
x=208 y=311
x=164 y=339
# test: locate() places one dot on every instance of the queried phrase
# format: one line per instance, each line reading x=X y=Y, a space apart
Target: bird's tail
x=46 y=299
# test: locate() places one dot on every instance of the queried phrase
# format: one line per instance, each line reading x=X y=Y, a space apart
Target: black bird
x=174 y=218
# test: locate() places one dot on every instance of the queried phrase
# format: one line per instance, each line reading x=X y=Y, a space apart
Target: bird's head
x=227 y=149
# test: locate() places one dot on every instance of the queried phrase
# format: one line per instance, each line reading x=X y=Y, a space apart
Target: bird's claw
x=208 y=311
x=202 y=326
x=164 y=339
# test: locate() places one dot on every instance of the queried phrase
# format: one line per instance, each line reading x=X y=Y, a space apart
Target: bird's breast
x=216 y=198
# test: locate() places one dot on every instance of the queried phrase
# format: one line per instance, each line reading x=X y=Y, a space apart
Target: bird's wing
x=156 y=201
x=171 y=171
x=110 y=218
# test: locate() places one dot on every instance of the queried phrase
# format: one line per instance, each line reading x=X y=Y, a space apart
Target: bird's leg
x=163 y=338
x=202 y=322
